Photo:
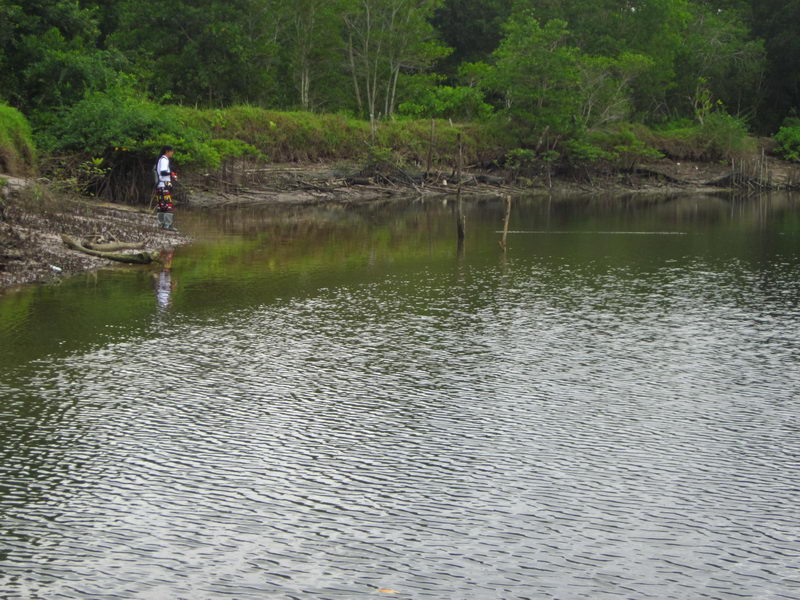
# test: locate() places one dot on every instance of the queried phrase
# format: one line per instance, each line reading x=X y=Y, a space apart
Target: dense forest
x=543 y=76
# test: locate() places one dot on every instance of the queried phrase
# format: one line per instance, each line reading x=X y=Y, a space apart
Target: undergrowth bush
x=112 y=124
x=622 y=146
x=17 y=149
x=719 y=137
x=448 y=102
x=788 y=138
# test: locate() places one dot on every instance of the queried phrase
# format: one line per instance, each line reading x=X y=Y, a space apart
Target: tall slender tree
x=316 y=46
x=384 y=39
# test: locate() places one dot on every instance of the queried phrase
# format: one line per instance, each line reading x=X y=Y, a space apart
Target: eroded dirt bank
x=319 y=182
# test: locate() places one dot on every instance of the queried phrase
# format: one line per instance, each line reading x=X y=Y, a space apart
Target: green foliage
x=622 y=146
x=788 y=138
x=519 y=159
x=562 y=65
x=91 y=172
x=551 y=89
x=725 y=136
x=300 y=136
x=386 y=38
x=718 y=50
x=448 y=102
x=49 y=54
x=95 y=75
x=606 y=87
x=203 y=51
x=636 y=151
x=285 y=136
x=683 y=41
x=313 y=48
x=102 y=120
x=379 y=159
x=473 y=29
x=580 y=151
x=17 y=150
x=775 y=22
x=720 y=137
x=536 y=71
x=123 y=122
x=627 y=143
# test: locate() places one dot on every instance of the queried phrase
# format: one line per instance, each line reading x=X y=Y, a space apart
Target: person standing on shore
x=164 y=177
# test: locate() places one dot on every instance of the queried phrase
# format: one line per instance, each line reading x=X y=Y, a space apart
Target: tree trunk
x=356 y=87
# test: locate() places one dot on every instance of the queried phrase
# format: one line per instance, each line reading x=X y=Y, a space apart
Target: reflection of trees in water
x=251 y=220
x=408 y=227
x=661 y=210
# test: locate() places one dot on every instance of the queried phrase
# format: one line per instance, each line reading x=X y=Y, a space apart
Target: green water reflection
x=255 y=255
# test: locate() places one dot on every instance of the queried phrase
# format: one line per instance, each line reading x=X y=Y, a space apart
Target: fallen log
x=141 y=258
x=651 y=172
x=113 y=246
x=723 y=181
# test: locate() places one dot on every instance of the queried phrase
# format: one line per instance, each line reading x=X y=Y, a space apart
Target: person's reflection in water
x=164 y=283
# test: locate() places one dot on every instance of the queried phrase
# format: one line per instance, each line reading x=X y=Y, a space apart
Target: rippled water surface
x=340 y=403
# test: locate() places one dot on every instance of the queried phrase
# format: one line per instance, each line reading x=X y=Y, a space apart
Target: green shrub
x=519 y=160
x=622 y=145
x=447 y=102
x=788 y=138
x=720 y=137
x=725 y=136
x=581 y=151
x=17 y=150
x=121 y=120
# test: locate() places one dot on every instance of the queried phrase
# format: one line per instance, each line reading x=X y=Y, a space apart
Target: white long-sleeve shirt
x=163 y=166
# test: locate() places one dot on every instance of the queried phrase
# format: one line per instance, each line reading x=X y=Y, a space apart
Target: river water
x=339 y=402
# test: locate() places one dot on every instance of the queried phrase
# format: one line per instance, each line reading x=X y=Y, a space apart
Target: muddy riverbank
x=33 y=218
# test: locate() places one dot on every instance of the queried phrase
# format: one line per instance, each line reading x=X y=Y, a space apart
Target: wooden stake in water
x=459 y=209
x=503 y=242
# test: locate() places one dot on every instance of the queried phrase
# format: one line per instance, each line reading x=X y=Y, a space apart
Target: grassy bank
x=17 y=153
x=303 y=136
x=110 y=124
